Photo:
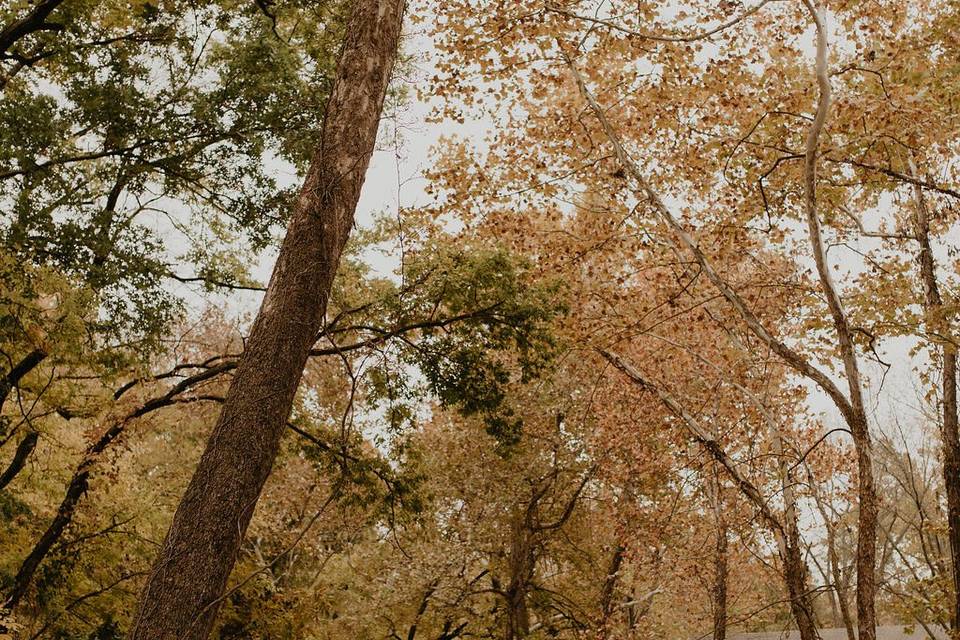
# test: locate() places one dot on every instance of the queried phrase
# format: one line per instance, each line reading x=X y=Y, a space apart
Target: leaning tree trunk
x=8 y=383
x=933 y=304
x=187 y=583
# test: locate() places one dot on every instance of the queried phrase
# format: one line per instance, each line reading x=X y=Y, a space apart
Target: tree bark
x=720 y=564
x=10 y=381
x=867 y=513
x=24 y=449
x=35 y=20
x=607 y=600
x=795 y=577
x=186 y=585
x=933 y=303
x=523 y=560
x=720 y=585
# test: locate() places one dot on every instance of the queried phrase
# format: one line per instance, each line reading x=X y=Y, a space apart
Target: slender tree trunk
x=720 y=569
x=933 y=303
x=522 y=563
x=187 y=583
x=24 y=449
x=718 y=590
x=856 y=416
x=795 y=576
x=795 y=572
x=607 y=600
x=836 y=571
x=951 y=472
x=10 y=381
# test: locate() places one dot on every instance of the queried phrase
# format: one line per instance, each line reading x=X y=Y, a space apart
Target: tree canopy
x=658 y=343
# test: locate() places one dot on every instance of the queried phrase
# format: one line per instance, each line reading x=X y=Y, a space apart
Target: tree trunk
x=186 y=585
x=522 y=565
x=24 y=449
x=607 y=600
x=854 y=412
x=794 y=568
x=718 y=590
x=10 y=381
x=951 y=472
x=933 y=304
x=795 y=576
x=837 y=578
x=720 y=584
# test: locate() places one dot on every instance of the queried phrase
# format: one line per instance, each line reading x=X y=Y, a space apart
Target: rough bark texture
x=523 y=559
x=933 y=303
x=795 y=577
x=720 y=586
x=184 y=590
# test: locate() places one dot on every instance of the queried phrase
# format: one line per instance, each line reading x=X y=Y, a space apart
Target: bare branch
x=702 y=436
x=795 y=360
x=661 y=37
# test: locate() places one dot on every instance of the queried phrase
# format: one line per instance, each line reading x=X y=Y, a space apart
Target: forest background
x=645 y=326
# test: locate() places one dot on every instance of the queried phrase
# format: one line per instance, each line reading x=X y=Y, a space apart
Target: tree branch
x=794 y=359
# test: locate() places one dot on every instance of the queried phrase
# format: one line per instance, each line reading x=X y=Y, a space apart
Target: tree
x=184 y=590
x=139 y=163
